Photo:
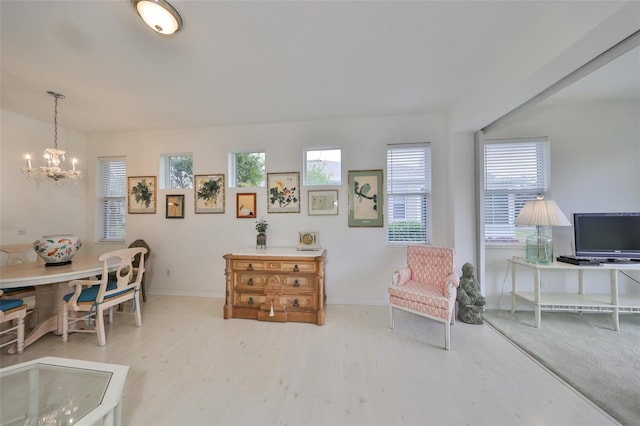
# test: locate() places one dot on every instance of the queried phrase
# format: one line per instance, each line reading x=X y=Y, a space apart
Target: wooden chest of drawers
x=276 y=284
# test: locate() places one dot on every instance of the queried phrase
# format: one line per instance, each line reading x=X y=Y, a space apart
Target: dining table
x=51 y=285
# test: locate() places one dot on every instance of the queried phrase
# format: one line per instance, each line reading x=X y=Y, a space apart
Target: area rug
x=586 y=352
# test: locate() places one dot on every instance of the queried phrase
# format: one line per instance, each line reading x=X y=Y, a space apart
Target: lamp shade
x=542 y=212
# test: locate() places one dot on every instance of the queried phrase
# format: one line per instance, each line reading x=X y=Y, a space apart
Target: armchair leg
x=447 y=335
x=391 y=316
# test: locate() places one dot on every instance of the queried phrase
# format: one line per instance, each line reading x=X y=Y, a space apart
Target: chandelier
x=53 y=157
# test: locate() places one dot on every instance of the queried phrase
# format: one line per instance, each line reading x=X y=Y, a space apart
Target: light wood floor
x=189 y=366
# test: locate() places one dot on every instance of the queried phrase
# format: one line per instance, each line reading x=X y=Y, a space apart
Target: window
x=322 y=167
x=176 y=171
x=247 y=169
x=111 y=188
x=409 y=193
x=515 y=171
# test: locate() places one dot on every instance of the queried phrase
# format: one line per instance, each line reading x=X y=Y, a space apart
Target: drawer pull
x=295 y=303
x=250 y=267
x=250 y=301
x=296 y=283
x=250 y=282
x=295 y=269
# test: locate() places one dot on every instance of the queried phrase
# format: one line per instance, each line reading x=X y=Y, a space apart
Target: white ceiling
x=238 y=62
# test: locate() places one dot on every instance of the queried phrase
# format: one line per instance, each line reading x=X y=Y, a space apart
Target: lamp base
x=539 y=249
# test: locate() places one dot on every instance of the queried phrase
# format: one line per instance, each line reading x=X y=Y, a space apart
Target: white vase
x=57 y=249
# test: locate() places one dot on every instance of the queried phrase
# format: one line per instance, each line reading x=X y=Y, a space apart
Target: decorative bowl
x=57 y=249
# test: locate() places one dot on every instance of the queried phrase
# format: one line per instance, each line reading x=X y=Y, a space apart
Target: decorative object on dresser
x=277 y=284
x=57 y=250
x=209 y=193
x=261 y=227
x=365 y=198
x=308 y=240
x=142 y=191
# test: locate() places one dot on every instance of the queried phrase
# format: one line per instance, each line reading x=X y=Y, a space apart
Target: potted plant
x=261 y=227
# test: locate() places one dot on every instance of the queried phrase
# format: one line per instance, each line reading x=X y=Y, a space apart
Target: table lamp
x=541 y=212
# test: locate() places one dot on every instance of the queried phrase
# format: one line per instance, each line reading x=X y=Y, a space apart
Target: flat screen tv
x=614 y=236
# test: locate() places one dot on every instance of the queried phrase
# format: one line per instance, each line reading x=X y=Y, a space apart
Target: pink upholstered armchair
x=427 y=286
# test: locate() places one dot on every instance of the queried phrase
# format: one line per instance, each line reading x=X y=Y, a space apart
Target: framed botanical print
x=365 y=198
x=141 y=194
x=209 y=193
x=284 y=192
x=175 y=207
x=323 y=202
x=246 y=205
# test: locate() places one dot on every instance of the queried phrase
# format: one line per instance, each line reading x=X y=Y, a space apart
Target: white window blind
x=515 y=171
x=409 y=193
x=112 y=198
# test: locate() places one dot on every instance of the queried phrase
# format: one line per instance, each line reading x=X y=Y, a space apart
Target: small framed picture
x=141 y=194
x=284 y=192
x=365 y=198
x=209 y=193
x=323 y=202
x=175 y=207
x=246 y=205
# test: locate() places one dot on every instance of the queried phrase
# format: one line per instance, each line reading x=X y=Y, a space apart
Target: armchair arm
x=401 y=276
x=79 y=284
x=452 y=281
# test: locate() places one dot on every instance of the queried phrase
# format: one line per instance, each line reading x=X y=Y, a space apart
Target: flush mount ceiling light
x=159 y=15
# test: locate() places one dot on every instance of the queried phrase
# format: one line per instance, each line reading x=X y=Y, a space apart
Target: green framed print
x=284 y=192
x=209 y=193
x=142 y=194
x=365 y=198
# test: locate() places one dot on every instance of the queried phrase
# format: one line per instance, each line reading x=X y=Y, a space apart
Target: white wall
x=595 y=167
x=359 y=264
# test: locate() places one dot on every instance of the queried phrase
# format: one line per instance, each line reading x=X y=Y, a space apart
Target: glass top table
x=60 y=391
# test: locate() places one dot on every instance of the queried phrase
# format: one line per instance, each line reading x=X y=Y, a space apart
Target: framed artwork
x=141 y=194
x=365 y=198
x=323 y=202
x=284 y=192
x=175 y=207
x=209 y=193
x=246 y=205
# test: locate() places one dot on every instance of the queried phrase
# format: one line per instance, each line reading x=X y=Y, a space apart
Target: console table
x=275 y=284
x=580 y=301
x=61 y=391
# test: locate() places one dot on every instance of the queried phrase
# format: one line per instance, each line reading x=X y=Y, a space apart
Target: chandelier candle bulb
x=28 y=157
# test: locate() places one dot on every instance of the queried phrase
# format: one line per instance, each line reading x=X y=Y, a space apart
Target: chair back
x=124 y=274
x=431 y=265
x=141 y=243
